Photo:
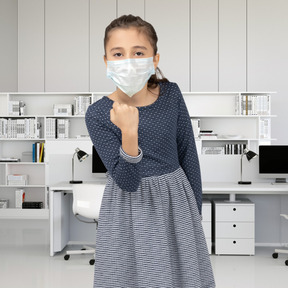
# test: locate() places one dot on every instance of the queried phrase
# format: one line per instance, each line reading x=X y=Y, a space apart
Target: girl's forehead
x=127 y=35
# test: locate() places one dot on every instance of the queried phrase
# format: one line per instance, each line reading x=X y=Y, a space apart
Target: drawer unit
x=207 y=222
x=234 y=224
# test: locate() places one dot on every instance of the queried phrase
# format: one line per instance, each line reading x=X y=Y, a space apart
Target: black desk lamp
x=249 y=155
x=81 y=155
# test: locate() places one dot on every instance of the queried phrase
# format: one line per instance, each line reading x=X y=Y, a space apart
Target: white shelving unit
x=39 y=106
x=217 y=111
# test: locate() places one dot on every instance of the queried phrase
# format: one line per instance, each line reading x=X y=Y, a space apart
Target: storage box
x=4 y=203
x=19 y=198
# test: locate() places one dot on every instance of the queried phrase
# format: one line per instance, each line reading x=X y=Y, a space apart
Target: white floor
x=31 y=266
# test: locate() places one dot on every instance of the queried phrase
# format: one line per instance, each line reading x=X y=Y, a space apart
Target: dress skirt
x=152 y=237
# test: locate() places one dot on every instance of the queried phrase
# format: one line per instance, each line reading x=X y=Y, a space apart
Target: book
x=256 y=104
x=32 y=205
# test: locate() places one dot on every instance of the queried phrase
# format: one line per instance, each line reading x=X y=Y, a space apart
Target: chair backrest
x=87 y=199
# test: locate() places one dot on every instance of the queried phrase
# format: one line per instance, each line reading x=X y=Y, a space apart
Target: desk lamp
x=81 y=155
x=249 y=155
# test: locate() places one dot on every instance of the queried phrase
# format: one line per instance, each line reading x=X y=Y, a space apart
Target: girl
x=150 y=232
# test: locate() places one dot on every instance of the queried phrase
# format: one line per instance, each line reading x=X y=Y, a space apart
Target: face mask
x=130 y=75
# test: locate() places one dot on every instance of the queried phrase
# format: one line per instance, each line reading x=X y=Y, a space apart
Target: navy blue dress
x=150 y=232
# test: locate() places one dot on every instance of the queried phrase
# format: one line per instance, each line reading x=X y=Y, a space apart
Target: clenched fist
x=125 y=117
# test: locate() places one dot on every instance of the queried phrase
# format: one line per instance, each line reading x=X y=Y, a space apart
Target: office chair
x=283 y=251
x=87 y=200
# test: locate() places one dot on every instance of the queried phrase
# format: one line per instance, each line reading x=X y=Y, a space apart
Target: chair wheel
x=275 y=255
x=66 y=257
x=92 y=261
x=286 y=262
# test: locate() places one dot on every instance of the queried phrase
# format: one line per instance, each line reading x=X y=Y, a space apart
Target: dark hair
x=127 y=21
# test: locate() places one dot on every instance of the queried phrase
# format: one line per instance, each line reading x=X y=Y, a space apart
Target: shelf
x=236 y=139
x=22 y=186
x=13 y=213
x=23 y=163
x=232 y=116
x=22 y=139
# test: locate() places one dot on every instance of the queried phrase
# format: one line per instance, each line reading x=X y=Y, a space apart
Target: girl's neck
x=144 y=97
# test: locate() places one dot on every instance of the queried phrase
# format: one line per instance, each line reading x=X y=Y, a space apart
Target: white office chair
x=87 y=199
x=283 y=251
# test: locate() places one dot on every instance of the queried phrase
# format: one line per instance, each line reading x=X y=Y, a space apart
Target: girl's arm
x=187 y=151
x=118 y=155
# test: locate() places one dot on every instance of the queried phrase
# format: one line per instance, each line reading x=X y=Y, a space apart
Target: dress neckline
x=146 y=106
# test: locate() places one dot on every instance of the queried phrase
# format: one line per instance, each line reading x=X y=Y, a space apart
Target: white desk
x=60 y=208
x=59 y=213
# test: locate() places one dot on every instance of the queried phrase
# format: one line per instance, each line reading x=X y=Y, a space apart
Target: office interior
x=56 y=46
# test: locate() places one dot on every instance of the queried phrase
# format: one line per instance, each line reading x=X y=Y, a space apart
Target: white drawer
x=206 y=211
x=237 y=246
x=207 y=229
x=234 y=230
x=230 y=212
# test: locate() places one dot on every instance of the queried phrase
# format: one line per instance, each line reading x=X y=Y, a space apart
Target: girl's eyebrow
x=140 y=47
x=134 y=47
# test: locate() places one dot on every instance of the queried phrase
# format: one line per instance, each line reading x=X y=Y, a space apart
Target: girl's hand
x=125 y=117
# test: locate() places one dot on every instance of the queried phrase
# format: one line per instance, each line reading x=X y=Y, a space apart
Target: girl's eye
x=139 y=54
x=117 y=54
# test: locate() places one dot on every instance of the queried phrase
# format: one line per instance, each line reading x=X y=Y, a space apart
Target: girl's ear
x=156 y=60
x=105 y=60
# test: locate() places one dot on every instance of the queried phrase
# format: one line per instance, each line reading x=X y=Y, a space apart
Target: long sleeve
x=106 y=139
x=187 y=152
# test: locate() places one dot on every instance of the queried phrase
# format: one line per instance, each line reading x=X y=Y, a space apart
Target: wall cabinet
x=234 y=227
x=66 y=45
x=173 y=47
x=31 y=40
x=204 y=45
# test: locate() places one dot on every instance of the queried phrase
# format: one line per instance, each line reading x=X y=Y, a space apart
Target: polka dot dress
x=150 y=232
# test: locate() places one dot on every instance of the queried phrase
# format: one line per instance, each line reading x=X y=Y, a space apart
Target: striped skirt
x=152 y=237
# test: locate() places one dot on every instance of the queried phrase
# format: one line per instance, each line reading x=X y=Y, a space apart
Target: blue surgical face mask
x=130 y=75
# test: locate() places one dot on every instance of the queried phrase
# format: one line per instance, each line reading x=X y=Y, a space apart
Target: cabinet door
x=67 y=45
x=171 y=21
x=31 y=45
x=102 y=12
x=204 y=45
x=232 y=45
x=267 y=48
x=133 y=7
x=8 y=46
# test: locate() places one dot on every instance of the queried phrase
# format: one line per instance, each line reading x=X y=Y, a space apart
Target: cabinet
x=232 y=120
x=204 y=45
x=67 y=45
x=207 y=222
x=18 y=133
x=171 y=42
x=232 y=45
x=31 y=45
x=234 y=227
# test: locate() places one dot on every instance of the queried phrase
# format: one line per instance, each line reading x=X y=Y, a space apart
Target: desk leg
x=51 y=221
x=59 y=221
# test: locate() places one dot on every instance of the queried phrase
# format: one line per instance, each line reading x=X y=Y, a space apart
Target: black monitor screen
x=273 y=159
x=97 y=164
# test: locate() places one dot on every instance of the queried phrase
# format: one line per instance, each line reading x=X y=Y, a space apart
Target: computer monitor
x=97 y=164
x=273 y=162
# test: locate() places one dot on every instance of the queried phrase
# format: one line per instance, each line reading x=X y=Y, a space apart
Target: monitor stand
x=280 y=181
